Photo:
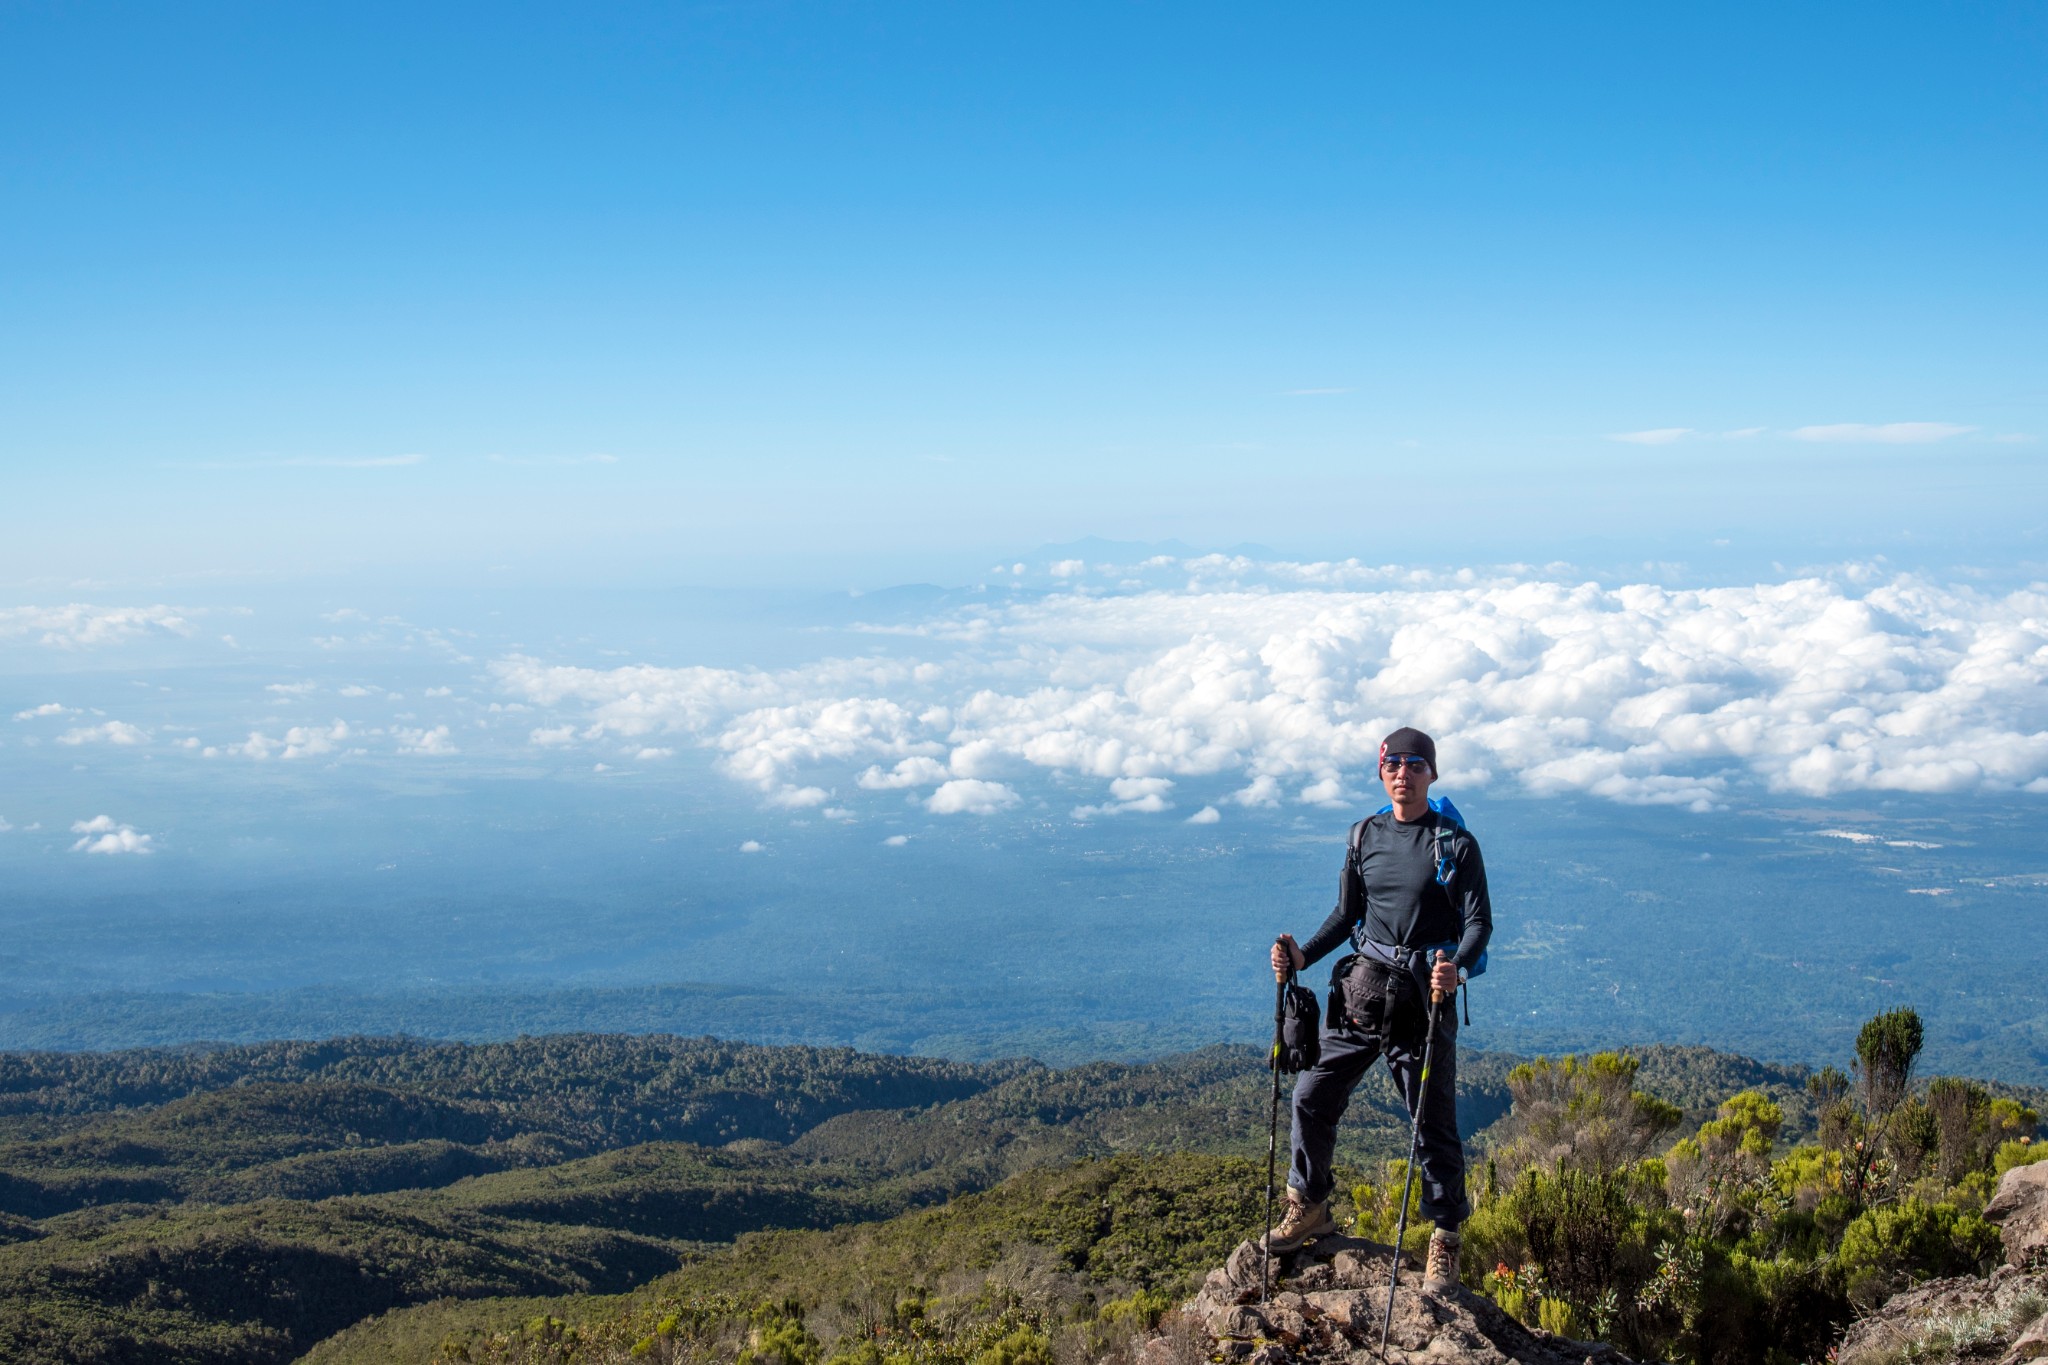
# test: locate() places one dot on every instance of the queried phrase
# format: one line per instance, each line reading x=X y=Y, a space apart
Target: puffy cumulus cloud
x=765 y=724
x=103 y=834
x=917 y=771
x=301 y=741
x=1207 y=815
x=1276 y=682
x=1142 y=794
x=48 y=708
x=970 y=796
x=78 y=625
x=108 y=732
x=433 y=743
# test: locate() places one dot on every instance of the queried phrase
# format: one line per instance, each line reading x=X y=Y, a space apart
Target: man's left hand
x=1443 y=978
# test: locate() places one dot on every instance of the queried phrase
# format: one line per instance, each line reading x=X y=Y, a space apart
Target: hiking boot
x=1441 y=1273
x=1304 y=1222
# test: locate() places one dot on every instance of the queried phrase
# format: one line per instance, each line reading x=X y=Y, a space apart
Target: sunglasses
x=1393 y=763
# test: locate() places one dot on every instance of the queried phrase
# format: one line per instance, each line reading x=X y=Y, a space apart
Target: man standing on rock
x=1412 y=900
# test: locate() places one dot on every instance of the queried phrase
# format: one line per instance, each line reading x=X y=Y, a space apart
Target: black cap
x=1408 y=740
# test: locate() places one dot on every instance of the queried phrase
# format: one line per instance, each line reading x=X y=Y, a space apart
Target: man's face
x=1406 y=778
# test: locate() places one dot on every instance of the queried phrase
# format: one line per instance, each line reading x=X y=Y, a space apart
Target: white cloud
x=751 y=846
x=103 y=834
x=291 y=689
x=301 y=741
x=48 y=708
x=1883 y=433
x=109 y=732
x=551 y=735
x=970 y=796
x=4 y=826
x=433 y=743
x=917 y=771
x=1146 y=795
x=439 y=692
x=1207 y=815
x=896 y=841
x=79 y=626
x=1275 y=681
x=1656 y=436
x=1069 y=568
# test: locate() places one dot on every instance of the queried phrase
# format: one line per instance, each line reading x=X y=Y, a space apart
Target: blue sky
x=854 y=292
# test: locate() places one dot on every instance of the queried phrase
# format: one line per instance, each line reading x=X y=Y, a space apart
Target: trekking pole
x=1272 y=1135
x=1436 y=1000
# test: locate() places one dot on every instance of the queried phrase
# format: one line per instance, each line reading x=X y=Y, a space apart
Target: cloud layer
x=1635 y=692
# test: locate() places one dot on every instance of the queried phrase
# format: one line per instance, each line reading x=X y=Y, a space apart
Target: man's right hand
x=1286 y=957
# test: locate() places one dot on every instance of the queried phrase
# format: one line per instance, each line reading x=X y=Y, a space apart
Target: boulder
x=2001 y=1313
x=1327 y=1303
x=2020 y=1208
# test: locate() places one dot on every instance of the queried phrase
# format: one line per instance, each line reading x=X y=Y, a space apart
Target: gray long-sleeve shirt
x=1388 y=891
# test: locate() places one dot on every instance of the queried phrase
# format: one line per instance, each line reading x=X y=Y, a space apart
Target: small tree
x=1581 y=1115
x=1886 y=1048
x=1961 y=1112
x=1836 y=1113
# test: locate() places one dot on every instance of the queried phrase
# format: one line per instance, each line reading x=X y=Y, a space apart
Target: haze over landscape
x=840 y=524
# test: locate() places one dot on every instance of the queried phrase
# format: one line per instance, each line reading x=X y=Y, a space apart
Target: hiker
x=1412 y=900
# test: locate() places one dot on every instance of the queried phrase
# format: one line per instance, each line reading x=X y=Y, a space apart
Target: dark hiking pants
x=1323 y=1092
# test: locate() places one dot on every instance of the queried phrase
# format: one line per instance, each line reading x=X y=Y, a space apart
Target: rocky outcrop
x=2020 y=1208
x=2003 y=1318
x=1326 y=1303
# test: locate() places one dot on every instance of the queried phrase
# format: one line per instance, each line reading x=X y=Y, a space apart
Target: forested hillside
x=239 y=1204
x=242 y=1204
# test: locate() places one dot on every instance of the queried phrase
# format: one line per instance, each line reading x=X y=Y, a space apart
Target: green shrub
x=2017 y=1153
x=1025 y=1346
x=1885 y=1249
x=1582 y=1230
x=779 y=1337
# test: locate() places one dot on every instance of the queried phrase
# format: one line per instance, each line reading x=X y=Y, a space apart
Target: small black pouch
x=1380 y=1000
x=1301 y=1029
x=1405 y=1023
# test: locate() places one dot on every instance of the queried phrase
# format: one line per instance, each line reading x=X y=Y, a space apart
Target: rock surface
x=1326 y=1303
x=2020 y=1208
x=2003 y=1318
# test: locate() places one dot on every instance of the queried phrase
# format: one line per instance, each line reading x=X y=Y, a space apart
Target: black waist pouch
x=1301 y=1029
x=1379 y=1000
